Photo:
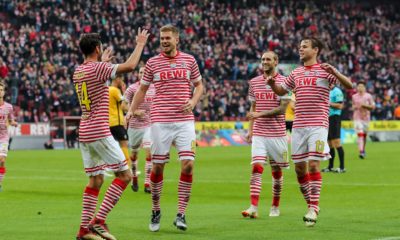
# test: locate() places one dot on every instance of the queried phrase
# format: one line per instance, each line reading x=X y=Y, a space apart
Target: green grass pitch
x=42 y=191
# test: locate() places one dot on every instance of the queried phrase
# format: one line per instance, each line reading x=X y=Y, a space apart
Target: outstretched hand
x=107 y=55
x=328 y=68
x=142 y=36
x=270 y=80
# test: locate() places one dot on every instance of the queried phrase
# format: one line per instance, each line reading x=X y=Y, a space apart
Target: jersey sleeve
x=371 y=100
x=106 y=71
x=128 y=95
x=288 y=84
x=148 y=75
x=252 y=97
x=194 y=72
x=332 y=79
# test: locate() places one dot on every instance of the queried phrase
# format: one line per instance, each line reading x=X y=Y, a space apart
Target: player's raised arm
x=130 y=64
x=345 y=81
x=277 y=88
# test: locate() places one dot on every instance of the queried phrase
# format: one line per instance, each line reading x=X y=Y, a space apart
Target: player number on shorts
x=319 y=146
x=83 y=95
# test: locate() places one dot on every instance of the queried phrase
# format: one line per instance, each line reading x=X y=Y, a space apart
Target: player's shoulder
x=186 y=55
x=256 y=80
x=112 y=88
x=279 y=78
x=337 y=90
x=132 y=87
x=154 y=59
x=8 y=105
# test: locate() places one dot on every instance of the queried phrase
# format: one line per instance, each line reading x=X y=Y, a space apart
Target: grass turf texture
x=42 y=192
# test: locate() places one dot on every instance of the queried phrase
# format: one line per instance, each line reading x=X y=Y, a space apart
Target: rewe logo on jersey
x=266 y=96
x=172 y=74
x=308 y=81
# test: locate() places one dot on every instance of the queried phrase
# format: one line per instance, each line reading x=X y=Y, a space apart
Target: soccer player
x=310 y=127
x=267 y=133
x=173 y=73
x=363 y=104
x=336 y=98
x=6 y=118
x=117 y=108
x=289 y=114
x=98 y=147
x=139 y=131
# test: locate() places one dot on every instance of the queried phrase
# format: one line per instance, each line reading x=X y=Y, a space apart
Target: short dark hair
x=361 y=82
x=88 y=42
x=315 y=43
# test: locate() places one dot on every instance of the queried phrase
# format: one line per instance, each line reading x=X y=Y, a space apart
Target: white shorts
x=182 y=134
x=273 y=149
x=361 y=126
x=139 y=137
x=310 y=143
x=101 y=154
x=3 y=149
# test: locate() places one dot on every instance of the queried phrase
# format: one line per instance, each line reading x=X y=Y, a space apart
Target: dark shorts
x=289 y=125
x=334 y=127
x=119 y=133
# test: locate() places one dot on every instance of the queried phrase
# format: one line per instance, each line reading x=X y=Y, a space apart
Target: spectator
x=39 y=51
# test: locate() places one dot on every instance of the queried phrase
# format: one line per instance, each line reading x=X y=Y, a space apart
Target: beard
x=268 y=70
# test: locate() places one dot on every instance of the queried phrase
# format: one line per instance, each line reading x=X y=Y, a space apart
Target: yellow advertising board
x=373 y=125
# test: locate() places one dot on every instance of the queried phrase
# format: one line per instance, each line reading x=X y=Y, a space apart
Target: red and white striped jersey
x=90 y=85
x=172 y=78
x=311 y=84
x=145 y=105
x=266 y=99
x=6 y=115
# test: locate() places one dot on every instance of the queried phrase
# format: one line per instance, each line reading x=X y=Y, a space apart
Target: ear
x=98 y=50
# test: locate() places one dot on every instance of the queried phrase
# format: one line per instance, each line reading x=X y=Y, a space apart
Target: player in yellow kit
x=116 y=110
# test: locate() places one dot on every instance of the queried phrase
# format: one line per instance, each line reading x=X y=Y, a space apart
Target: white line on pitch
x=76 y=178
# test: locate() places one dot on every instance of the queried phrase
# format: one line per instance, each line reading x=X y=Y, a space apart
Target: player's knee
x=258 y=168
x=301 y=169
x=157 y=168
x=134 y=156
x=125 y=176
x=313 y=166
x=96 y=181
x=336 y=143
x=187 y=166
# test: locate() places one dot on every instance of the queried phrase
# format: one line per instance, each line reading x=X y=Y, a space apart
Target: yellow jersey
x=289 y=115
x=115 y=110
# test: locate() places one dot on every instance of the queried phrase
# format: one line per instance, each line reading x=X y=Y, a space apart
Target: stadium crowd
x=39 y=46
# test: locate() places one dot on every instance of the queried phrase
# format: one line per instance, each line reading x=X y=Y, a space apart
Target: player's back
x=311 y=85
x=89 y=80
